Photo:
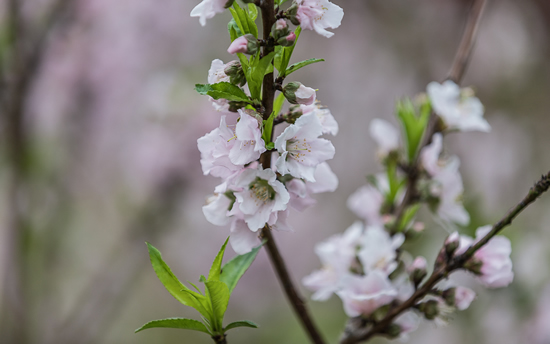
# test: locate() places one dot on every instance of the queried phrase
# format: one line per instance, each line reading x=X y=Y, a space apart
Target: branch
x=454 y=264
x=355 y=332
x=268 y=18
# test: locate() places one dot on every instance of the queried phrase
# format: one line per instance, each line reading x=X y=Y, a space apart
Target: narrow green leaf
x=181 y=323
x=242 y=323
x=215 y=270
x=286 y=53
x=268 y=127
x=252 y=11
x=278 y=104
x=194 y=286
x=237 y=20
x=409 y=214
x=294 y=67
x=233 y=270
x=233 y=29
x=219 y=298
x=269 y=145
x=179 y=291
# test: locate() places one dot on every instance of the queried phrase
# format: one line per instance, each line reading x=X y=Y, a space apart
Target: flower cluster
x=253 y=194
x=366 y=265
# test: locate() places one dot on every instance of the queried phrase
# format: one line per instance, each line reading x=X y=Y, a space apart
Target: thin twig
x=454 y=264
x=296 y=301
x=355 y=331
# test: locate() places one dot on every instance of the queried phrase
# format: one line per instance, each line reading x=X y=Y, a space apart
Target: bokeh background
x=108 y=128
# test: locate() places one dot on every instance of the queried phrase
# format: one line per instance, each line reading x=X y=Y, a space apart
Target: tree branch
x=268 y=95
x=355 y=331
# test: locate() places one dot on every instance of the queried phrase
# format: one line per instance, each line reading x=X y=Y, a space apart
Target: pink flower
x=378 y=250
x=319 y=15
x=463 y=297
x=208 y=9
x=362 y=295
x=385 y=135
x=301 y=150
x=239 y=45
x=249 y=144
x=305 y=95
x=291 y=37
x=366 y=203
x=418 y=264
x=216 y=74
x=330 y=126
x=496 y=270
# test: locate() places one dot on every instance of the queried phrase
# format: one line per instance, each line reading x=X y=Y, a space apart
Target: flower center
x=261 y=190
x=297 y=149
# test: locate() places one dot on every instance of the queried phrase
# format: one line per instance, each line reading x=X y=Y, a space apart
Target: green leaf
x=252 y=11
x=268 y=127
x=294 y=67
x=409 y=214
x=219 y=298
x=257 y=71
x=284 y=54
x=215 y=270
x=280 y=2
x=186 y=324
x=242 y=323
x=244 y=20
x=412 y=124
x=270 y=146
x=223 y=90
x=278 y=104
x=393 y=180
x=233 y=270
x=234 y=31
x=179 y=291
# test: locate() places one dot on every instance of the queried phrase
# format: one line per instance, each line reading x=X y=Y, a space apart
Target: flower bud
x=247 y=44
x=280 y=29
x=451 y=243
x=430 y=309
x=229 y=3
x=296 y=93
x=235 y=72
x=288 y=40
x=417 y=270
x=291 y=14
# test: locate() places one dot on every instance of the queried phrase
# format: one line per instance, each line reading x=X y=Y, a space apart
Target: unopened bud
x=234 y=71
x=247 y=44
x=417 y=270
x=430 y=309
x=296 y=93
x=229 y=3
x=452 y=243
x=393 y=330
x=288 y=40
x=474 y=265
x=291 y=14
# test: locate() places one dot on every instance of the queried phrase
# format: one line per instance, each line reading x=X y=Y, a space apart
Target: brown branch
x=454 y=264
x=355 y=331
x=268 y=95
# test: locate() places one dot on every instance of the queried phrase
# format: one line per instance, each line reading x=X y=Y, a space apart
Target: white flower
x=325 y=181
x=459 y=109
x=446 y=182
x=408 y=322
x=362 y=295
x=305 y=95
x=215 y=148
x=258 y=194
x=216 y=209
x=378 y=250
x=463 y=297
x=208 y=9
x=330 y=126
x=319 y=15
x=366 y=203
x=337 y=254
x=301 y=148
x=216 y=74
x=242 y=239
x=249 y=145
x=299 y=195
x=385 y=135
x=496 y=265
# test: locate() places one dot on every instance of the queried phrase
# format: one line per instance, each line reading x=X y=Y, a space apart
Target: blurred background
x=98 y=155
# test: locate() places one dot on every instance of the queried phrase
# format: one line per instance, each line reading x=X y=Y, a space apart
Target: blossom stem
x=456 y=73
x=456 y=263
x=268 y=96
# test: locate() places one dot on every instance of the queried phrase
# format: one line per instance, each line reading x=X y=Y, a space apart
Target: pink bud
x=418 y=264
x=280 y=24
x=463 y=297
x=291 y=37
x=305 y=95
x=239 y=45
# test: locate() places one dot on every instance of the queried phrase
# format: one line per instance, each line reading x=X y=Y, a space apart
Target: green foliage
x=294 y=67
x=268 y=123
x=187 y=324
x=255 y=71
x=219 y=285
x=394 y=181
x=413 y=125
x=252 y=11
x=245 y=19
x=233 y=29
x=242 y=323
x=223 y=90
x=408 y=216
x=283 y=54
x=234 y=269
x=280 y=2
